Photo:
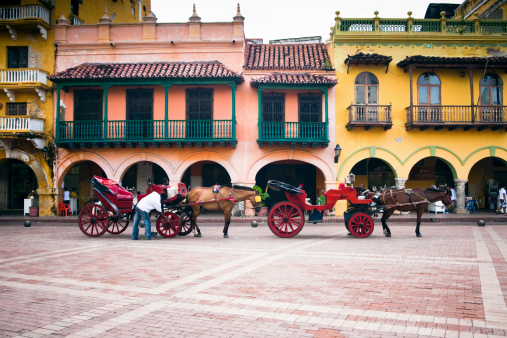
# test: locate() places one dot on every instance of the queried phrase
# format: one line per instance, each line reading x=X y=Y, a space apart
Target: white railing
x=21 y=123
x=76 y=21
x=24 y=12
x=23 y=75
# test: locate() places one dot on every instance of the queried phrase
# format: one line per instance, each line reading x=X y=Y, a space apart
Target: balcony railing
x=145 y=131
x=75 y=20
x=369 y=116
x=294 y=131
x=417 y=26
x=453 y=117
x=12 y=13
x=19 y=76
x=20 y=124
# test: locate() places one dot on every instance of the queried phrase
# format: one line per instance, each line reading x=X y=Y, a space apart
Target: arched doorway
x=430 y=171
x=136 y=177
x=17 y=183
x=205 y=174
x=484 y=180
x=294 y=173
x=78 y=177
x=373 y=173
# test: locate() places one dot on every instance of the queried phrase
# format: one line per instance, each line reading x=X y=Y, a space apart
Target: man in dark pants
x=143 y=209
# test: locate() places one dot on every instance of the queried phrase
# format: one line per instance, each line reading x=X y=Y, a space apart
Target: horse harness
x=216 y=191
x=409 y=192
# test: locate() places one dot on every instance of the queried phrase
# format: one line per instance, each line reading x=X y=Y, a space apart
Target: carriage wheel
x=93 y=220
x=360 y=225
x=168 y=229
x=117 y=225
x=186 y=223
x=286 y=219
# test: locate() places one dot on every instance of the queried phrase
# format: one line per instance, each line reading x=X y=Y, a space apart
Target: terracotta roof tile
x=293 y=79
x=149 y=70
x=496 y=61
x=374 y=59
x=287 y=57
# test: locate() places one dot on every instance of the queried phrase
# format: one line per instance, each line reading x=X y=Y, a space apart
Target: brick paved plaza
x=452 y=282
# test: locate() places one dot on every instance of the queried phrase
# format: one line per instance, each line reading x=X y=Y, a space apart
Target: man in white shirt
x=502 y=196
x=452 y=194
x=143 y=209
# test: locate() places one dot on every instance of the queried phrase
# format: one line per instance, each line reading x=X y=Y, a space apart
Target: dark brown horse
x=408 y=200
x=224 y=199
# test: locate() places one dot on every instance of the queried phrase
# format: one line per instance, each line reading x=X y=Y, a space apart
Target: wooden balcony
x=86 y=134
x=25 y=17
x=369 y=116
x=305 y=134
x=21 y=76
x=21 y=126
x=19 y=14
x=454 y=117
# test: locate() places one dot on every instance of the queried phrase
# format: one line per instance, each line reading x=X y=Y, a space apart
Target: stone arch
x=482 y=153
x=70 y=160
x=206 y=156
x=122 y=168
x=390 y=158
x=42 y=179
x=327 y=170
x=449 y=157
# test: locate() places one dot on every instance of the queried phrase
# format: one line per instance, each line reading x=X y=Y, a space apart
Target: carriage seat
x=120 y=197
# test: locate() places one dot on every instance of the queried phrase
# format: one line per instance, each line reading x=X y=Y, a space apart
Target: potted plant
x=263 y=210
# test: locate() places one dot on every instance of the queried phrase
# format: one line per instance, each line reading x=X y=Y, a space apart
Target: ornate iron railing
x=21 y=124
x=9 y=13
x=361 y=113
x=146 y=130
x=294 y=131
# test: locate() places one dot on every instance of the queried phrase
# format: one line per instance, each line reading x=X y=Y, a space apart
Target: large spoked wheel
x=186 y=223
x=93 y=220
x=360 y=225
x=117 y=225
x=171 y=227
x=286 y=219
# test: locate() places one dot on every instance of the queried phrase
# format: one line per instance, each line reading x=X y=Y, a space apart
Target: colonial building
x=27 y=151
x=420 y=102
x=190 y=102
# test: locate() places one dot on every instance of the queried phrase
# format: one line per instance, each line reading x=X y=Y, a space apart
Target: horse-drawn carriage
x=286 y=218
x=115 y=205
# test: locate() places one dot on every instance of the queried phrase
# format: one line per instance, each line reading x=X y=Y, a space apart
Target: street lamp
x=337 y=152
x=49 y=154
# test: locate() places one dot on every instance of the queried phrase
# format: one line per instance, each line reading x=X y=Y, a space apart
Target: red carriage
x=287 y=218
x=115 y=205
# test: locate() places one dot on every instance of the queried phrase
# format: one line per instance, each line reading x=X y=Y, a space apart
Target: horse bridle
x=256 y=193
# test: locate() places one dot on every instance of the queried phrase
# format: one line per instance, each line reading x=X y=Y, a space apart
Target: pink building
x=191 y=102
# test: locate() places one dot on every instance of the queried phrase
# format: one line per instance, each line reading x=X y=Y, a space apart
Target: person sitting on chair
x=362 y=191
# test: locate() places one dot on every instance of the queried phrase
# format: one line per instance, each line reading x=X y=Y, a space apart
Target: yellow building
x=420 y=102
x=27 y=153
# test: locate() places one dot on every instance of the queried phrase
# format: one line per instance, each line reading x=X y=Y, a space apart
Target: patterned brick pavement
x=452 y=282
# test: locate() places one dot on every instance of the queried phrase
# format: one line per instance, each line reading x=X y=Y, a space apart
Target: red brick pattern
x=452 y=282
x=287 y=57
x=149 y=70
x=300 y=79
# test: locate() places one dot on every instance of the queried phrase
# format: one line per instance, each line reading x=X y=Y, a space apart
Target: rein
x=424 y=200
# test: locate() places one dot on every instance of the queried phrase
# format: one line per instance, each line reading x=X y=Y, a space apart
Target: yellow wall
x=400 y=148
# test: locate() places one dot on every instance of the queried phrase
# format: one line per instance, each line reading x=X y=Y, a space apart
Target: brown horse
x=407 y=200
x=224 y=199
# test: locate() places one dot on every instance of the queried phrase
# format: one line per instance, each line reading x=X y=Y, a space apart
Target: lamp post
x=337 y=152
x=49 y=154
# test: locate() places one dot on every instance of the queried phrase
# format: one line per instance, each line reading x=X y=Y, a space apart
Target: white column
x=400 y=182
x=460 y=195
x=140 y=10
